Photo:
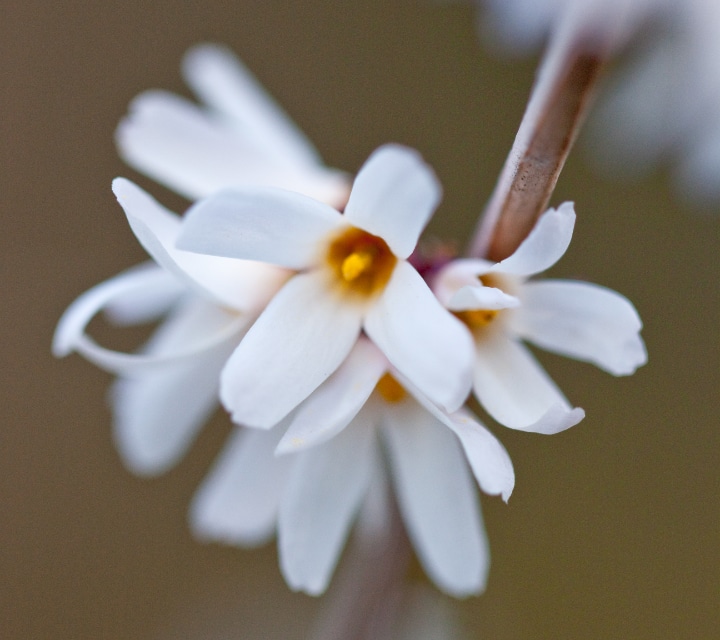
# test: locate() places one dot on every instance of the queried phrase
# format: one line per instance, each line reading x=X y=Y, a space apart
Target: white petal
x=479 y=297
x=196 y=153
x=337 y=401
x=545 y=245
x=224 y=83
x=157 y=415
x=269 y=225
x=324 y=493
x=457 y=274
x=422 y=340
x=294 y=346
x=584 y=321
x=239 y=500
x=70 y=333
x=242 y=285
x=437 y=499
x=515 y=390
x=394 y=196
x=148 y=302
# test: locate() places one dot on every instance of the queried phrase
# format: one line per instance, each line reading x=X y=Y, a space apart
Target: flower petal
x=239 y=284
x=515 y=390
x=269 y=225
x=421 y=339
x=337 y=401
x=239 y=500
x=197 y=153
x=158 y=414
x=324 y=492
x=545 y=245
x=149 y=301
x=294 y=346
x=394 y=196
x=584 y=321
x=70 y=332
x=220 y=79
x=457 y=274
x=437 y=499
x=479 y=297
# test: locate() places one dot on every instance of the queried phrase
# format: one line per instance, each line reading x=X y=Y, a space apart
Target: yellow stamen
x=477 y=318
x=356 y=264
x=390 y=389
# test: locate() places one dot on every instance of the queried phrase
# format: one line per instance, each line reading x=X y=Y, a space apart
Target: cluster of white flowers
x=663 y=103
x=291 y=295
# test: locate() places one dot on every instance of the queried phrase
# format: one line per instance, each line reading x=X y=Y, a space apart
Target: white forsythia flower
x=335 y=438
x=165 y=393
x=239 y=138
x=502 y=307
x=351 y=275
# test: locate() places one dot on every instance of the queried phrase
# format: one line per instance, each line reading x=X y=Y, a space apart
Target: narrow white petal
x=457 y=274
x=70 y=333
x=270 y=225
x=294 y=346
x=71 y=326
x=158 y=414
x=479 y=297
x=421 y=339
x=545 y=245
x=197 y=153
x=221 y=80
x=584 y=321
x=437 y=499
x=394 y=196
x=337 y=401
x=148 y=302
x=239 y=284
x=515 y=390
x=239 y=500
x=324 y=493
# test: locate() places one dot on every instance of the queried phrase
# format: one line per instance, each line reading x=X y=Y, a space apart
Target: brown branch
x=560 y=99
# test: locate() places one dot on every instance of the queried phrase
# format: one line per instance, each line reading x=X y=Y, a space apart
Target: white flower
x=352 y=276
x=165 y=392
x=501 y=307
x=241 y=138
x=336 y=437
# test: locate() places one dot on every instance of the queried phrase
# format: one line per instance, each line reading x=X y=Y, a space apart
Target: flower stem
x=562 y=93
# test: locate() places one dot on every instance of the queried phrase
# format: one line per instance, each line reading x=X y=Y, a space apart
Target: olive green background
x=612 y=531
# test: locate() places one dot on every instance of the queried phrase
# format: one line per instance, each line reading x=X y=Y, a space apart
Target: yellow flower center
x=362 y=262
x=390 y=389
x=477 y=318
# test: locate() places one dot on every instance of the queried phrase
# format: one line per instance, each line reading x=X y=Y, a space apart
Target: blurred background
x=612 y=530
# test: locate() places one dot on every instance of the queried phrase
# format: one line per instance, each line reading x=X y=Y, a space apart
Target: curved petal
x=70 y=332
x=239 y=500
x=545 y=245
x=584 y=321
x=437 y=499
x=270 y=225
x=337 y=401
x=515 y=390
x=423 y=341
x=239 y=284
x=324 y=492
x=457 y=274
x=294 y=346
x=149 y=301
x=394 y=196
x=196 y=153
x=479 y=297
x=158 y=414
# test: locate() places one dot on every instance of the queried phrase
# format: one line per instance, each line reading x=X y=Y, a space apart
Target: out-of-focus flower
x=335 y=440
x=352 y=275
x=239 y=138
x=577 y=319
x=165 y=392
x=662 y=104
